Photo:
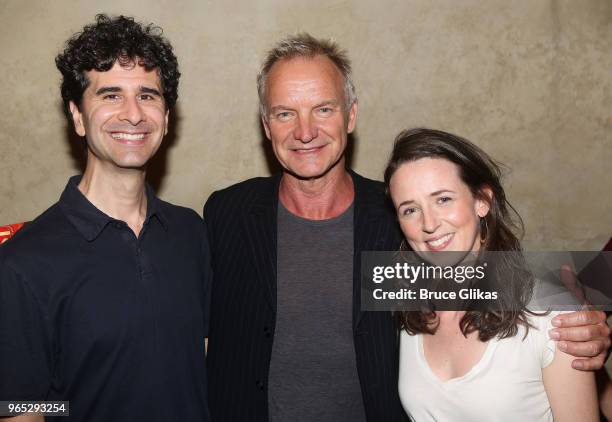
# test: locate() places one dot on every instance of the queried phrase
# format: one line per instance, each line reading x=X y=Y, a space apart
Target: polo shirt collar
x=89 y=220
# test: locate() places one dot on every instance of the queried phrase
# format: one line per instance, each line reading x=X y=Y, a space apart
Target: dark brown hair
x=502 y=227
x=117 y=39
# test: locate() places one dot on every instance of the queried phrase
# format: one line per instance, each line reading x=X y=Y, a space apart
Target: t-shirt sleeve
x=548 y=346
x=25 y=345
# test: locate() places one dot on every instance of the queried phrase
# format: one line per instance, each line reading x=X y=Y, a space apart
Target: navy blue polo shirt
x=113 y=323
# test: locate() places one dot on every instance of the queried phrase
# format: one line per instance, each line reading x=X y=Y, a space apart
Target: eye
x=408 y=211
x=326 y=111
x=146 y=97
x=111 y=97
x=444 y=199
x=283 y=115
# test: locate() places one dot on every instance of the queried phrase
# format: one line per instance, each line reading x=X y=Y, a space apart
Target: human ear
x=352 y=117
x=166 y=120
x=484 y=201
x=77 y=119
x=266 y=126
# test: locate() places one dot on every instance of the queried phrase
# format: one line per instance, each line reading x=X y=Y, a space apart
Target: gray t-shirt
x=313 y=374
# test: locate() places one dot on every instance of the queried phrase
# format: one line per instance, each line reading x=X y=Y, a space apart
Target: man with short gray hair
x=287 y=339
x=305 y=45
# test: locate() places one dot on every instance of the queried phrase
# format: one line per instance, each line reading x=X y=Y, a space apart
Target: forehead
x=301 y=74
x=427 y=175
x=121 y=76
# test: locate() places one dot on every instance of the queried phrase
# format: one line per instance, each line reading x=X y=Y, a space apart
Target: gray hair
x=305 y=45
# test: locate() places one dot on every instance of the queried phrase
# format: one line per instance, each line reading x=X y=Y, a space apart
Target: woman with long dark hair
x=486 y=364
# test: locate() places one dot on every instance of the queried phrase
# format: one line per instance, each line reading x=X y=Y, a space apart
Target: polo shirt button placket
x=139 y=257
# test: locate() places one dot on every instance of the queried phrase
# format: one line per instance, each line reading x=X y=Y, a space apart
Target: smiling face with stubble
x=307 y=119
x=122 y=115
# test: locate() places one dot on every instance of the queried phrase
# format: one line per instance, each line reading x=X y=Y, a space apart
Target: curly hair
x=109 y=40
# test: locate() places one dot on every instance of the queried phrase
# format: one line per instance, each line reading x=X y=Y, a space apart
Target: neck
x=119 y=194
x=449 y=318
x=318 y=199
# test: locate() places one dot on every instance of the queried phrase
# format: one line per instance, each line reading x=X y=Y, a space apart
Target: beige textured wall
x=529 y=80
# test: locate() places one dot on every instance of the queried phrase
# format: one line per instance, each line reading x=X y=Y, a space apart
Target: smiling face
x=436 y=209
x=307 y=120
x=122 y=115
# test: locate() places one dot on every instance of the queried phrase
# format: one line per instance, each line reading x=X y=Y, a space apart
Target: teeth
x=128 y=136
x=307 y=149
x=440 y=241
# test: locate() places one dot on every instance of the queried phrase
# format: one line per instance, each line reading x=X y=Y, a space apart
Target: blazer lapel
x=373 y=231
x=260 y=221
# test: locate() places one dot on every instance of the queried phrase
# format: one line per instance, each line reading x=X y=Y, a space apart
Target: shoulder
x=371 y=197
x=245 y=192
x=368 y=186
x=538 y=336
x=178 y=213
x=36 y=235
x=183 y=224
x=370 y=192
x=539 y=325
x=250 y=186
x=28 y=260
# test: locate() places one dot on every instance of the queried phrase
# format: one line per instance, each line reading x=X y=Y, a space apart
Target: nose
x=306 y=130
x=131 y=111
x=430 y=221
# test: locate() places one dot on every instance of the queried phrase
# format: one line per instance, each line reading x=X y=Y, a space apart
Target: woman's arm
x=572 y=393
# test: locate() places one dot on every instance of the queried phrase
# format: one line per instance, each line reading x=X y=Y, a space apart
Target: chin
x=307 y=173
x=132 y=164
x=314 y=170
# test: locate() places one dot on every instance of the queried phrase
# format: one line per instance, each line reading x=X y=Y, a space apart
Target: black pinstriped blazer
x=241 y=223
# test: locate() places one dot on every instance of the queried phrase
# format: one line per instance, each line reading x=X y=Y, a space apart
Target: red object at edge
x=6 y=232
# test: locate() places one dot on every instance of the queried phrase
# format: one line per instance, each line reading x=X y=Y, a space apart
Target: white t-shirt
x=505 y=385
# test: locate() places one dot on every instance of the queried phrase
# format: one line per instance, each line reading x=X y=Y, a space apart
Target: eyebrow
x=142 y=90
x=407 y=202
x=436 y=193
x=145 y=90
x=279 y=107
x=321 y=104
x=107 y=89
x=327 y=103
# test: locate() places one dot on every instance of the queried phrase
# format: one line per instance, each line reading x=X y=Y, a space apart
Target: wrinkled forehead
x=301 y=71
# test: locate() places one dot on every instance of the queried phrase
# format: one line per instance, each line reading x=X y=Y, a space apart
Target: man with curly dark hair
x=109 y=41
x=103 y=296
